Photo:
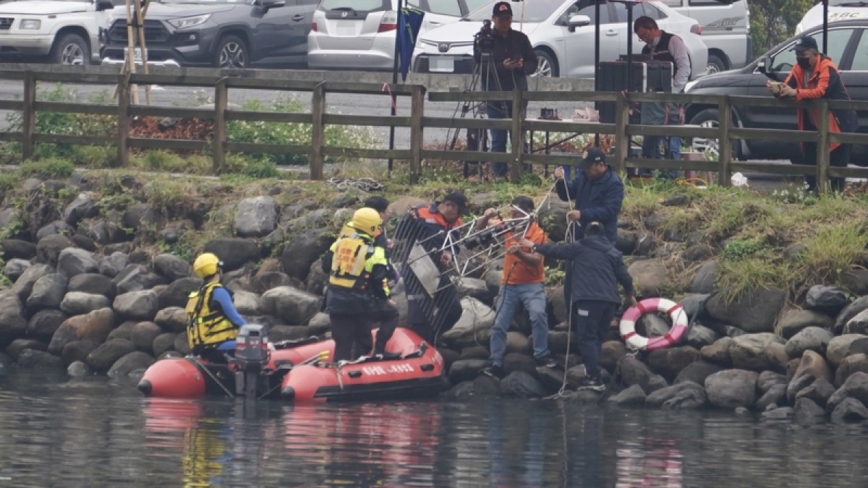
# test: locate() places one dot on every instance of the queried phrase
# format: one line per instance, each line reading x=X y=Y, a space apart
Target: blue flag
x=409 y=23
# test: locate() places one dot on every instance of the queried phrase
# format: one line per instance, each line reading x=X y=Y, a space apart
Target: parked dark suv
x=220 y=33
x=848 y=48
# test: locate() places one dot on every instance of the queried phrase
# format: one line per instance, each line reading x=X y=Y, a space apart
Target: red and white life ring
x=652 y=305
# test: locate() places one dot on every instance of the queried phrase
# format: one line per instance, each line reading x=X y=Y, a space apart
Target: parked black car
x=848 y=48
x=220 y=33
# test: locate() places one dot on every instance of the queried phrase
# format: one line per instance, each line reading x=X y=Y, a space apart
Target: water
x=97 y=432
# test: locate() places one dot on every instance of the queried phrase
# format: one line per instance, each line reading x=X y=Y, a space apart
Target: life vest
x=350 y=255
x=207 y=327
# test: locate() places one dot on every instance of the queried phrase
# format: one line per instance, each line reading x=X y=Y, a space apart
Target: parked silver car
x=725 y=30
x=360 y=34
x=562 y=34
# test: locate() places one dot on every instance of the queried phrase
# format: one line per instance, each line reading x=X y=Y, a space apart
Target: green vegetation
x=774 y=21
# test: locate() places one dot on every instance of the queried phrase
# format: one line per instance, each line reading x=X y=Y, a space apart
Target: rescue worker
x=816 y=76
x=358 y=290
x=212 y=320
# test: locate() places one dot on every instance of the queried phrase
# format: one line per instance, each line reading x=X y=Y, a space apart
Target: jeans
x=592 y=319
x=839 y=158
x=533 y=296
x=499 y=136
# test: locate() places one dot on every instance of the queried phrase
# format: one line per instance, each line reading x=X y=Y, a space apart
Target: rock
x=32 y=359
x=695 y=254
x=78 y=369
x=807 y=412
x=650 y=277
x=94 y=326
x=553 y=218
x=858 y=324
x=769 y=379
x=513 y=362
x=18 y=345
x=143 y=335
x=518 y=343
x=123 y=331
x=812 y=367
x=809 y=339
x=321 y=319
x=853 y=309
x=697 y=372
x=256 y=217
x=177 y=293
x=12 y=322
x=855 y=387
x=610 y=352
x=84 y=242
x=475 y=323
x=849 y=410
x=635 y=372
x=15 y=268
x=493 y=277
x=92 y=284
x=819 y=392
x=719 y=352
x=48 y=249
x=105 y=355
x=685 y=395
x=44 y=323
x=113 y=264
x=48 y=292
x=850 y=365
x=268 y=280
x=461 y=391
x=645 y=245
x=846 y=345
x=181 y=345
x=856 y=281
x=706 y=275
x=135 y=277
x=794 y=321
x=466 y=370
x=626 y=241
x=24 y=284
x=303 y=250
x=17 y=249
x=77 y=351
x=172 y=319
x=632 y=396
x=776 y=395
x=78 y=303
x=522 y=385
x=672 y=360
x=700 y=336
x=164 y=343
x=654 y=325
x=758 y=352
x=486 y=386
x=83 y=207
x=732 y=388
x=475 y=288
x=137 y=305
x=826 y=299
x=293 y=306
x=138 y=214
x=783 y=413
x=247 y=303
x=754 y=312
x=171 y=267
x=73 y=261
x=133 y=361
x=234 y=252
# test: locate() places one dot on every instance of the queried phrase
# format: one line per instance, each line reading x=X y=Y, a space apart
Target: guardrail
x=223 y=81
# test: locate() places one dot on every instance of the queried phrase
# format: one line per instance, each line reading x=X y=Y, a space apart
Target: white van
x=838 y=10
x=725 y=30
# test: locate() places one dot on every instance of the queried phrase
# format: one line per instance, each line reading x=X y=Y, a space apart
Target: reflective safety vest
x=353 y=260
x=205 y=326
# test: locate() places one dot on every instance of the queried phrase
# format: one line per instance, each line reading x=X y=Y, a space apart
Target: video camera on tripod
x=485 y=39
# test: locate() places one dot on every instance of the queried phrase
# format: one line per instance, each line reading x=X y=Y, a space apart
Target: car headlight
x=185 y=22
x=30 y=24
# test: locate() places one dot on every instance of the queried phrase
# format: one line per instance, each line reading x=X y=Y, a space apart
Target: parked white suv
x=838 y=10
x=725 y=30
x=60 y=31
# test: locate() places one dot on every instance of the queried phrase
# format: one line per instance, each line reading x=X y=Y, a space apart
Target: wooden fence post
x=29 y=115
x=123 y=158
x=221 y=100
x=724 y=146
x=622 y=140
x=417 y=111
x=517 y=136
x=317 y=137
x=822 y=146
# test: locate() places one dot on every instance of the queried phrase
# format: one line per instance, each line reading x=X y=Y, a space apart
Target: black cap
x=805 y=43
x=591 y=156
x=459 y=199
x=501 y=9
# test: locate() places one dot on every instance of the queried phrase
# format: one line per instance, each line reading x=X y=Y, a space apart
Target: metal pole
x=395 y=79
x=629 y=6
x=825 y=26
x=596 y=61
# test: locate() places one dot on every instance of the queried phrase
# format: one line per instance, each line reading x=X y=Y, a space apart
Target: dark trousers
x=499 y=136
x=839 y=158
x=349 y=331
x=591 y=321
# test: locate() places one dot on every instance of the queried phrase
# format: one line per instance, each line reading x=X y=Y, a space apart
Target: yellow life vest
x=353 y=259
x=205 y=326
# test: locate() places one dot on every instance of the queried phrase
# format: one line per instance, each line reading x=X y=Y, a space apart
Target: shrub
x=47 y=168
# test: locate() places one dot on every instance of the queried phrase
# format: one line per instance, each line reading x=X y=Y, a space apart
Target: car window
x=838 y=39
x=646 y=10
x=534 y=11
x=357 y=5
x=475 y=4
x=860 y=56
x=705 y=3
x=586 y=7
x=671 y=3
x=444 y=7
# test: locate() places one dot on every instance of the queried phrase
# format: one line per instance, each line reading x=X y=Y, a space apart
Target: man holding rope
x=598 y=193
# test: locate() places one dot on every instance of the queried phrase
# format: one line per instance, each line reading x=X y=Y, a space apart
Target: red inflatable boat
x=302 y=372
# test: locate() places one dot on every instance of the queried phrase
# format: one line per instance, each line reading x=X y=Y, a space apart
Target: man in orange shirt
x=523 y=283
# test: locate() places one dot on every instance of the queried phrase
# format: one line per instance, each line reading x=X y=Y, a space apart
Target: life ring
x=652 y=305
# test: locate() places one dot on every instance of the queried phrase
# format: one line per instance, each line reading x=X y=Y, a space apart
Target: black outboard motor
x=251 y=357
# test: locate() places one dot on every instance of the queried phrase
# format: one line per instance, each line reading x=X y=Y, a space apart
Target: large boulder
x=135 y=277
x=522 y=384
x=171 y=267
x=247 y=303
x=632 y=396
x=650 y=276
x=853 y=309
x=697 y=372
x=91 y=283
x=846 y=345
x=134 y=361
x=164 y=342
x=103 y=357
x=44 y=323
x=74 y=261
x=706 y=275
x=685 y=395
x=732 y=388
x=794 y=321
x=17 y=249
x=172 y=319
x=83 y=207
x=849 y=410
x=15 y=268
x=113 y=264
x=303 y=250
x=94 y=326
x=700 y=336
x=635 y=372
x=32 y=359
x=178 y=293
x=466 y=370
x=256 y=217
x=759 y=352
x=776 y=395
x=553 y=218
x=809 y=339
x=24 y=285
x=137 y=305
x=476 y=321
x=48 y=248
x=826 y=299
x=12 y=322
x=812 y=367
x=293 y=306
x=819 y=392
x=807 y=412
x=855 y=387
x=234 y=252
x=266 y=280
x=672 y=360
x=849 y=365
x=719 y=352
x=77 y=351
x=78 y=303
x=48 y=292
x=143 y=335
x=769 y=379
x=753 y=312
x=858 y=324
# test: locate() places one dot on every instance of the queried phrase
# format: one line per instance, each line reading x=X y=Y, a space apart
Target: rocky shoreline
x=94 y=290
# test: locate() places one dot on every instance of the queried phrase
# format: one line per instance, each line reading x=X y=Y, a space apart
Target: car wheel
x=547 y=67
x=708 y=118
x=715 y=64
x=231 y=53
x=70 y=50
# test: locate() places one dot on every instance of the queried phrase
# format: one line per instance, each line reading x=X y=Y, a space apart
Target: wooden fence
x=417 y=122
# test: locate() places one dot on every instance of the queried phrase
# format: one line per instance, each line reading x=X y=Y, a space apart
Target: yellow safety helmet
x=207 y=265
x=366 y=220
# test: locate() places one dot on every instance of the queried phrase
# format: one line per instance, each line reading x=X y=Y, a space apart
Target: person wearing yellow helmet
x=212 y=320
x=358 y=290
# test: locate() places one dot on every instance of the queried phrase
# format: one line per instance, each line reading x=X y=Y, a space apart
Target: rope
x=211 y=375
x=364 y=184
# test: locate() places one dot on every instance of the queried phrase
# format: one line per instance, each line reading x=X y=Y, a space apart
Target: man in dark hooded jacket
x=597 y=268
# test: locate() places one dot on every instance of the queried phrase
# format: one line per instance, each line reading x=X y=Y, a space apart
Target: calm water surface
x=97 y=432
